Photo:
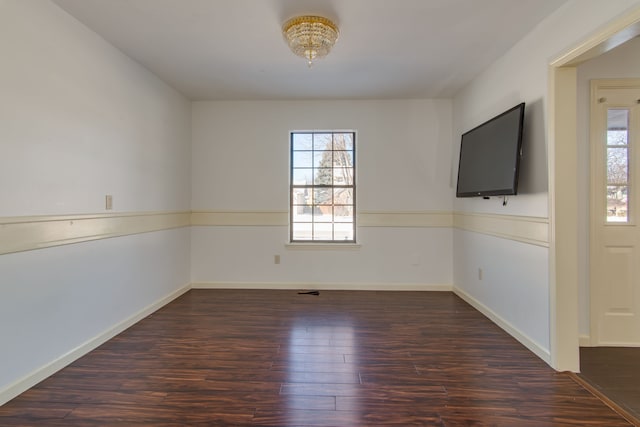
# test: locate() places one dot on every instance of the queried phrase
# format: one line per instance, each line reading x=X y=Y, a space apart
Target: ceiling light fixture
x=311 y=37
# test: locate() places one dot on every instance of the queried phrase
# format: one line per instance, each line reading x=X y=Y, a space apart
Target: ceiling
x=233 y=49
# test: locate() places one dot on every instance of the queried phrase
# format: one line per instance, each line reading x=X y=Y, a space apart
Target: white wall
x=79 y=120
x=520 y=75
x=622 y=62
x=241 y=163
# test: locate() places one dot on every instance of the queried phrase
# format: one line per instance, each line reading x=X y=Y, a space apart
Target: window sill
x=323 y=246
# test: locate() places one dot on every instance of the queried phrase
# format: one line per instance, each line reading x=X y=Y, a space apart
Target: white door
x=615 y=213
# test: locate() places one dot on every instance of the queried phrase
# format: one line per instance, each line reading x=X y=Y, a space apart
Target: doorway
x=563 y=180
x=614 y=230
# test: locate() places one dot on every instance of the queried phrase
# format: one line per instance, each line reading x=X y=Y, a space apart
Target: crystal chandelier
x=311 y=37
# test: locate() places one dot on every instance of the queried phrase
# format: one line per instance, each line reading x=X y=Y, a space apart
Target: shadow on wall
x=533 y=164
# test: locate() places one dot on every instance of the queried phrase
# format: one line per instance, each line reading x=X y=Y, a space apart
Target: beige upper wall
x=80 y=120
x=521 y=76
x=241 y=152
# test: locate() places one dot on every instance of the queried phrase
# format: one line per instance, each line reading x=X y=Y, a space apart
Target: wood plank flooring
x=276 y=358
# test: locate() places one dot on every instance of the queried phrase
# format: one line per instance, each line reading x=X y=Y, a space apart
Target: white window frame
x=331 y=187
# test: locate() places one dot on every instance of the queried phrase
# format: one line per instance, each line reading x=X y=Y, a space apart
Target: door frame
x=563 y=184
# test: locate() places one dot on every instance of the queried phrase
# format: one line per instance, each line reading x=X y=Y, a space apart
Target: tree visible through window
x=323 y=187
x=617 y=145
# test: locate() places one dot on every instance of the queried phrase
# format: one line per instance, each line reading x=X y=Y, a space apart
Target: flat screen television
x=490 y=156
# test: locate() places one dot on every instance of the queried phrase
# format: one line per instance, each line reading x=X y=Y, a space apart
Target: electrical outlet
x=480 y=274
x=108 y=202
x=276 y=259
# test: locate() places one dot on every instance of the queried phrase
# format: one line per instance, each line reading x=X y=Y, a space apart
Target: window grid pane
x=322 y=195
x=617 y=203
x=617 y=167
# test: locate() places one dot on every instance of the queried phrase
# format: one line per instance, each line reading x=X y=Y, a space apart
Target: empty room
x=319 y=213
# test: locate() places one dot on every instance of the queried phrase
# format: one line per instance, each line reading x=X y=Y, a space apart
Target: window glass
x=322 y=187
x=617 y=165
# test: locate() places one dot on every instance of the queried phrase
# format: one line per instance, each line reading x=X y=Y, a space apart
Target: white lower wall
x=387 y=256
x=56 y=299
x=514 y=281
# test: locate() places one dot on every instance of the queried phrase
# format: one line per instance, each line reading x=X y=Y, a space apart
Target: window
x=323 y=190
x=617 y=145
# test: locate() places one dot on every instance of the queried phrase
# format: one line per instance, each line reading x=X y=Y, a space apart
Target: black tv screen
x=490 y=156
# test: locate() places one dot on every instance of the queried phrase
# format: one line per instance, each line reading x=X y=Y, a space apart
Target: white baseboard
x=25 y=383
x=324 y=286
x=585 y=340
x=538 y=350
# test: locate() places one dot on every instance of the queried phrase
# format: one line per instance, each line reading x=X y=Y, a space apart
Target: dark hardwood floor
x=614 y=372
x=276 y=358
